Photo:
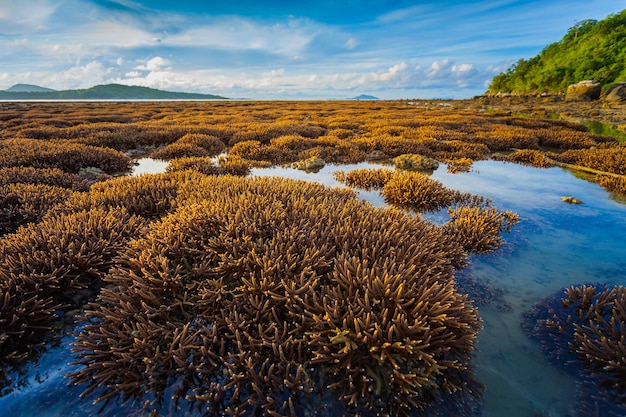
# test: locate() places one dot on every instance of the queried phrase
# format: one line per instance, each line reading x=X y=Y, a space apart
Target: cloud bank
x=310 y=50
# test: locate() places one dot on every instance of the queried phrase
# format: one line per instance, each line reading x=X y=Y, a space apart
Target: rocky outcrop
x=312 y=164
x=584 y=91
x=415 y=162
x=615 y=94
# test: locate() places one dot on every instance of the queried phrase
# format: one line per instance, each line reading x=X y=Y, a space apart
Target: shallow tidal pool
x=555 y=245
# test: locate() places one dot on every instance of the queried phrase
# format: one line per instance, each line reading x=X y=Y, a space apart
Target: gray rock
x=615 y=94
x=584 y=91
x=312 y=164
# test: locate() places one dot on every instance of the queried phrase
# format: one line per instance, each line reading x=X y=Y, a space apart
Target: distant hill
x=99 y=92
x=591 y=50
x=364 y=97
x=29 y=88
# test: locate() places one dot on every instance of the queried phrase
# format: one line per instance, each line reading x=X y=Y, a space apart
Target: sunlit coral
x=46 y=176
x=479 y=229
x=417 y=191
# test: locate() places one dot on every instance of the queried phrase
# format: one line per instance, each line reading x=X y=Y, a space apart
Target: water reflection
x=148 y=166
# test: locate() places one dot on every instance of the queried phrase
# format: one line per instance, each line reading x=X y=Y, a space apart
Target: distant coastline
x=107 y=92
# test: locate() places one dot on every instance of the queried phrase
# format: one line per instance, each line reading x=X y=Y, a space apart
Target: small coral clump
x=191 y=145
x=532 y=157
x=365 y=178
x=212 y=145
x=417 y=191
x=457 y=165
x=178 y=150
x=479 y=229
x=583 y=329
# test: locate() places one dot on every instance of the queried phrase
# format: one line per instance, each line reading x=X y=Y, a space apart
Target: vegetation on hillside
x=591 y=50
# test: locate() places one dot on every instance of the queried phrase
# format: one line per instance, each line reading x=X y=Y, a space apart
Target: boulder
x=376 y=155
x=584 y=91
x=571 y=200
x=615 y=94
x=93 y=174
x=314 y=163
x=415 y=162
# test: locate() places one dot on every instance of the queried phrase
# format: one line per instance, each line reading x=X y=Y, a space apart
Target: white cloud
x=275 y=73
x=351 y=43
x=462 y=68
x=14 y=16
x=154 y=64
x=88 y=75
x=437 y=67
x=235 y=33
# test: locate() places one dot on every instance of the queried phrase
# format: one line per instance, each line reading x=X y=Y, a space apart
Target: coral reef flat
x=217 y=279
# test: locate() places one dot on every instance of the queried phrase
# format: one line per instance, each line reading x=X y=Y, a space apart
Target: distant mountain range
x=99 y=92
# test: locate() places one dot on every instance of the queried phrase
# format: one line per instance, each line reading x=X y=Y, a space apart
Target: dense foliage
x=591 y=50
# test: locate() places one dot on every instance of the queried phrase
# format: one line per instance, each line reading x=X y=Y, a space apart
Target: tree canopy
x=590 y=50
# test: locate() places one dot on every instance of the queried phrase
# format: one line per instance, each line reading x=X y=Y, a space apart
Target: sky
x=266 y=50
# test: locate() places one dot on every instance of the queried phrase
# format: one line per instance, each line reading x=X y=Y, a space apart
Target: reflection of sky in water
x=555 y=245
x=148 y=166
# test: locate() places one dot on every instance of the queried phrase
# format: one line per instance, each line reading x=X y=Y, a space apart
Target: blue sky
x=307 y=49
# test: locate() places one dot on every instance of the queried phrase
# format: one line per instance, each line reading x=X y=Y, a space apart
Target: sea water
x=555 y=245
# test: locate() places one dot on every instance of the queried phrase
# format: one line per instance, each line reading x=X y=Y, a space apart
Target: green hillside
x=106 y=92
x=591 y=50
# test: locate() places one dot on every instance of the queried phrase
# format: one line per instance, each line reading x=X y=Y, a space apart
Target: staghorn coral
x=211 y=144
x=418 y=192
x=21 y=204
x=611 y=183
x=479 y=229
x=365 y=178
x=46 y=176
x=286 y=132
x=457 y=165
x=43 y=268
x=257 y=294
x=149 y=196
x=255 y=151
x=179 y=150
x=225 y=166
x=609 y=159
x=532 y=157
x=582 y=328
x=191 y=145
x=474 y=224
x=62 y=154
